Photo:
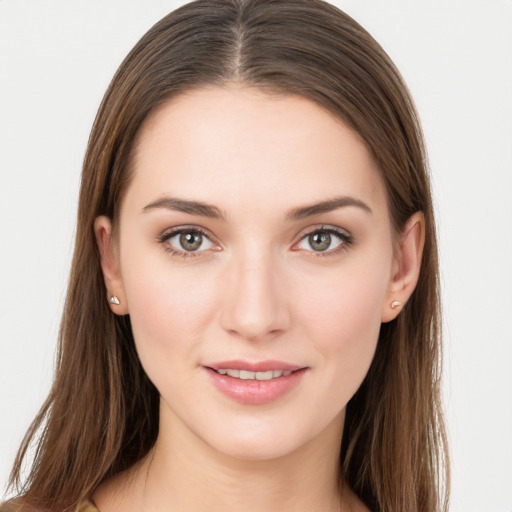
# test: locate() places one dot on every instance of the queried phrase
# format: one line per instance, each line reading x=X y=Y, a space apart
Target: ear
x=110 y=264
x=406 y=267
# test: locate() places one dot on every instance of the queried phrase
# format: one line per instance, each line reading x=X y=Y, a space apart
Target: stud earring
x=395 y=304
x=114 y=300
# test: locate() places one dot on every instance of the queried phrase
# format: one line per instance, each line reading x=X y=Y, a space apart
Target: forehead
x=238 y=145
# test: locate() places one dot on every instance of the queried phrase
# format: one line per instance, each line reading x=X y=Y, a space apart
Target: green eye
x=189 y=241
x=324 y=240
x=320 y=241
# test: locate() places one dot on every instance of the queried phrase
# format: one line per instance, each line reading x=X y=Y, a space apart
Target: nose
x=256 y=303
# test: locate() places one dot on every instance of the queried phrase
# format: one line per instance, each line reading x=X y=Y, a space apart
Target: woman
x=252 y=317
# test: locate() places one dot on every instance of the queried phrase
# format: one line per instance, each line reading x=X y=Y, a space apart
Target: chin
x=256 y=449
x=264 y=439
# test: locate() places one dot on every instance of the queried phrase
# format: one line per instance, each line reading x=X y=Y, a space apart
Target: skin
x=257 y=289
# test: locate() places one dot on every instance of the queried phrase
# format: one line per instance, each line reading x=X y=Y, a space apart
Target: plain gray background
x=56 y=60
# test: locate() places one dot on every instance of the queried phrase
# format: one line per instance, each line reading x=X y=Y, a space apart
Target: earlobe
x=407 y=267
x=110 y=265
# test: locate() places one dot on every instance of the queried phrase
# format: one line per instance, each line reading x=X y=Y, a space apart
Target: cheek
x=167 y=306
x=342 y=314
x=344 y=320
x=346 y=300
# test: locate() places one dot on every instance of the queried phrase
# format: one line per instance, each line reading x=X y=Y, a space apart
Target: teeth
x=247 y=375
x=265 y=375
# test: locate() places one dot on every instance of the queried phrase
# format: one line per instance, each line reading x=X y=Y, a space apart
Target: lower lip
x=255 y=392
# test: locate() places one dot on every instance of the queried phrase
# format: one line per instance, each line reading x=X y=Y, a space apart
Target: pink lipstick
x=254 y=383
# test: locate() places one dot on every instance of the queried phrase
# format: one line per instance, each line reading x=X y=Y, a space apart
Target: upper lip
x=253 y=366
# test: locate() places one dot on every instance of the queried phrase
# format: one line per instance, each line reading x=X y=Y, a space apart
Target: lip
x=259 y=366
x=255 y=392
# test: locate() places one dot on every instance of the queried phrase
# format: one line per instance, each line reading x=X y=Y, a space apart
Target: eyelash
x=164 y=238
x=346 y=241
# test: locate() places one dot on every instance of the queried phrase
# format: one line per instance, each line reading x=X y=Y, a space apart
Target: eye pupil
x=320 y=241
x=191 y=241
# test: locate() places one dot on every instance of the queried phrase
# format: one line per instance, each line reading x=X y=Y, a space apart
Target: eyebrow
x=212 y=212
x=326 y=206
x=185 y=206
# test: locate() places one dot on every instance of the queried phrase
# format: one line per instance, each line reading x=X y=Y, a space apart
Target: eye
x=324 y=240
x=187 y=240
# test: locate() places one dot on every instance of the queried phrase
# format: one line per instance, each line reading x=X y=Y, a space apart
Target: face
x=254 y=256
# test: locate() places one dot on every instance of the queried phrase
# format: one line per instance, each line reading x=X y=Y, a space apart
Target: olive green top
x=86 y=506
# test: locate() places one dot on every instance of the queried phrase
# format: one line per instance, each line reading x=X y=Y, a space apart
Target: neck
x=184 y=473
x=198 y=477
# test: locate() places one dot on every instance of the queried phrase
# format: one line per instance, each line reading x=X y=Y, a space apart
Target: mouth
x=250 y=375
x=255 y=383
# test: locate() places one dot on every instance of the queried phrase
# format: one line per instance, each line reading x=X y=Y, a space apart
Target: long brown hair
x=101 y=415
